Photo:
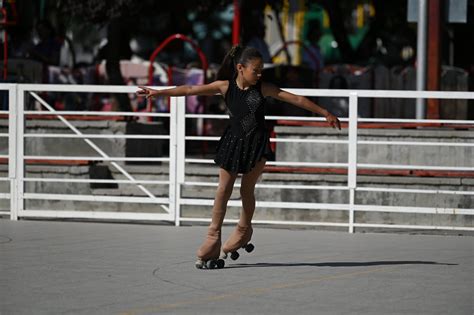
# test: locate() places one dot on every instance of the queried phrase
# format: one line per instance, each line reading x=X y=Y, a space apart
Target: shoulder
x=216 y=87
x=222 y=85
x=269 y=89
x=213 y=88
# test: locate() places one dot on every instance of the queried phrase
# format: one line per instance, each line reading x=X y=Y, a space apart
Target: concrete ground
x=100 y=268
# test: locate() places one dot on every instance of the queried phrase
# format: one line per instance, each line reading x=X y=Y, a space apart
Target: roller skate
x=208 y=253
x=239 y=238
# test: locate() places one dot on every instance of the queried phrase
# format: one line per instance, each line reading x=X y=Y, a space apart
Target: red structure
x=165 y=43
x=236 y=23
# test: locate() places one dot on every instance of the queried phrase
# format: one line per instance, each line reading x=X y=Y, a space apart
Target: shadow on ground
x=340 y=264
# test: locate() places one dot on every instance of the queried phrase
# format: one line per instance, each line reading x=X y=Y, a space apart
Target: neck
x=241 y=83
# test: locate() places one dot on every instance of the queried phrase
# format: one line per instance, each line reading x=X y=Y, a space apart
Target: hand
x=147 y=92
x=333 y=121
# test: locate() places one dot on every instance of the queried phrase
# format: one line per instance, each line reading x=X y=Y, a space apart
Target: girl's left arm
x=271 y=90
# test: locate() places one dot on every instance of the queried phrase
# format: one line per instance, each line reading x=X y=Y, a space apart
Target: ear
x=240 y=67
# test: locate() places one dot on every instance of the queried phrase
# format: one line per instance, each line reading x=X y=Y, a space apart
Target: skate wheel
x=220 y=263
x=234 y=255
x=200 y=264
x=211 y=264
x=249 y=248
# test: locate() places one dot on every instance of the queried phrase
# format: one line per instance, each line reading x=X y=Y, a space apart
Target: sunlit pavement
x=105 y=268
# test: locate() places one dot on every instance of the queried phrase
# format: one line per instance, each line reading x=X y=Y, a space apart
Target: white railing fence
x=177 y=160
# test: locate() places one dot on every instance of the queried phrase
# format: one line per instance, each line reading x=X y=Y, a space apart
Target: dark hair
x=237 y=54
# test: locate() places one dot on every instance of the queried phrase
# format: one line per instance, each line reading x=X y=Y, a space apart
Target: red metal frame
x=165 y=43
x=236 y=24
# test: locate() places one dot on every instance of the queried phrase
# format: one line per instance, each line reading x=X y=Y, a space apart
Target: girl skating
x=245 y=145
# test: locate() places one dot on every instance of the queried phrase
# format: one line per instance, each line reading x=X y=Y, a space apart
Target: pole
x=434 y=57
x=421 y=57
x=236 y=23
x=352 y=157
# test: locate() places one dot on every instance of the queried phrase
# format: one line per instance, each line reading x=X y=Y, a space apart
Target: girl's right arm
x=216 y=87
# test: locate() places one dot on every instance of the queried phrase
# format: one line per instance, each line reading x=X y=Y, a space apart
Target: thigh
x=250 y=179
x=226 y=179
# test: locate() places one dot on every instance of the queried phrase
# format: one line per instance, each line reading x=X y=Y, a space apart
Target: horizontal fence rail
x=169 y=206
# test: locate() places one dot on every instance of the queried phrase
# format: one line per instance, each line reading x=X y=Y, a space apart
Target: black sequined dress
x=246 y=139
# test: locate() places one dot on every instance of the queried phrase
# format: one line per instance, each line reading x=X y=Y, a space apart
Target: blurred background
x=321 y=44
x=364 y=44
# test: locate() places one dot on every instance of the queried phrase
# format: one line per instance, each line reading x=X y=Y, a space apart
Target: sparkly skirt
x=240 y=153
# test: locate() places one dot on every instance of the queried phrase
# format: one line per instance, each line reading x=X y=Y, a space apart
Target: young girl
x=243 y=148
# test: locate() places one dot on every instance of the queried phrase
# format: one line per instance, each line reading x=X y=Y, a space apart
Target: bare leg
x=223 y=193
x=247 y=192
x=243 y=231
x=210 y=249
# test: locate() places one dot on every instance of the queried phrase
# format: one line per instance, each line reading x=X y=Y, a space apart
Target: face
x=251 y=72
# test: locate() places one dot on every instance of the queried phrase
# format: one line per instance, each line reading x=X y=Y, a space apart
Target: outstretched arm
x=269 y=89
x=216 y=87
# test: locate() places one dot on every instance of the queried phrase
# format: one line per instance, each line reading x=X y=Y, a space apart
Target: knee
x=246 y=192
x=224 y=191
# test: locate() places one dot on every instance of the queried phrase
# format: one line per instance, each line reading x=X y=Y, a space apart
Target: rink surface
x=105 y=268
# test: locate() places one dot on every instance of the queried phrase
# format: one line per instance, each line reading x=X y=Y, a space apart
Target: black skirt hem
x=240 y=154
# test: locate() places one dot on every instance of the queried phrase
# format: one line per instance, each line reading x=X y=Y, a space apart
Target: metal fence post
x=19 y=148
x=180 y=154
x=177 y=152
x=12 y=152
x=173 y=148
x=352 y=157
